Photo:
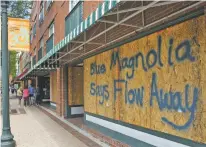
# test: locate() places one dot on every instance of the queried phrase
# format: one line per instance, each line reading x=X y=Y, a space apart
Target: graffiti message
x=166 y=100
x=156 y=82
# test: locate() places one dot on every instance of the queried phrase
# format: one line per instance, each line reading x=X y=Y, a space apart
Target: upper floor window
x=48 y=4
x=31 y=36
x=51 y=29
x=34 y=30
x=34 y=51
x=50 y=41
x=41 y=14
x=72 y=4
x=42 y=43
x=74 y=18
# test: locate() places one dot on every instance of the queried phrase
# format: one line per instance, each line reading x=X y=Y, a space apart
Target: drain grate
x=22 y=111
x=13 y=111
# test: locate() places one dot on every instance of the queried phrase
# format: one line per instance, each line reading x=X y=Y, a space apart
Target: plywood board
x=156 y=82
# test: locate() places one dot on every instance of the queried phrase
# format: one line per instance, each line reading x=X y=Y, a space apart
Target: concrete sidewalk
x=32 y=128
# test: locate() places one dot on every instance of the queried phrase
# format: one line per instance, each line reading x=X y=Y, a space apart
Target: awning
x=21 y=75
x=111 y=22
x=89 y=21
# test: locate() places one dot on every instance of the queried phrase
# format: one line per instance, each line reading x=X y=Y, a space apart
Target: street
x=32 y=128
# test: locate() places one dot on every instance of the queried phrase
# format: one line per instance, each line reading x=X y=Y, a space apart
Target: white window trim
x=41 y=44
x=51 y=33
x=47 y=6
x=41 y=11
x=72 y=4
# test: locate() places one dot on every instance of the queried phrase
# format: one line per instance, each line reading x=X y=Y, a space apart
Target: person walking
x=31 y=94
x=19 y=95
x=34 y=96
x=38 y=96
x=26 y=96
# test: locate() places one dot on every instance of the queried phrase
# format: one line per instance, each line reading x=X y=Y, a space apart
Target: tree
x=17 y=9
x=20 y=9
x=12 y=63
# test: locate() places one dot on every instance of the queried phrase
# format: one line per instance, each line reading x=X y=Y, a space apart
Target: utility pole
x=6 y=137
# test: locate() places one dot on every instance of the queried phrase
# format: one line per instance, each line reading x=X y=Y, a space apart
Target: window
x=34 y=30
x=42 y=43
x=41 y=14
x=51 y=29
x=31 y=37
x=50 y=41
x=74 y=18
x=48 y=3
x=72 y=4
x=34 y=51
x=40 y=51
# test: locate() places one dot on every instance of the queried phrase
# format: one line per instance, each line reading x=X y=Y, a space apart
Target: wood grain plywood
x=90 y=101
x=156 y=82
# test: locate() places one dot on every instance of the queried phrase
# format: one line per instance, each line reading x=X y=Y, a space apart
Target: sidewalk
x=33 y=128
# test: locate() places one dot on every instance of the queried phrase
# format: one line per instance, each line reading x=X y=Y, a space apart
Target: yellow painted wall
x=165 y=69
x=53 y=86
x=75 y=86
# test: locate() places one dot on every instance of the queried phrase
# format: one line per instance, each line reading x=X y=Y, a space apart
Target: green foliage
x=20 y=9
x=12 y=63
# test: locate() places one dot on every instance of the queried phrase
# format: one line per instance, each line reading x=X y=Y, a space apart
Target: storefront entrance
x=44 y=85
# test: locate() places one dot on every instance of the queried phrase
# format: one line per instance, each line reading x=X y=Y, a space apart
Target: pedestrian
x=12 y=89
x=16 y=89
x=34 y=96
x=38 y=96
x=26 y=96
x=19 y=95
x=31 y=94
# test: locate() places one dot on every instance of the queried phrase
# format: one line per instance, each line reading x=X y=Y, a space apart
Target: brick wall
x=61 y=89
x=89 y=7
x=57 y=13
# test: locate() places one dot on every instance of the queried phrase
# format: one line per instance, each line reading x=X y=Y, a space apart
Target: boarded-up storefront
x=156 y=82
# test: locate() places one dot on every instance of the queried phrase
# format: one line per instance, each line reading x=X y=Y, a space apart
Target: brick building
x=130 y=68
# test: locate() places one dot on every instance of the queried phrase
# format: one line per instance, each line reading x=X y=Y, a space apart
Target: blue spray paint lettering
x=173 y=101
x=182 y=52
x=97 y=69
x=99 y=91
x=131 y=95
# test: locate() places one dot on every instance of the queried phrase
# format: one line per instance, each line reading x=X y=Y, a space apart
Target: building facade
x=133 y=69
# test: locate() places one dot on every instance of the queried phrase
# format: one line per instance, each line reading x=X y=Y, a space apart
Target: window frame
x=34 y=27
x=41 y=43
x=41 y=14
x=31 y=36
x=49 y=5
x=53 y=29
x=72 y=14
x=34 y=50
x=72 y=6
